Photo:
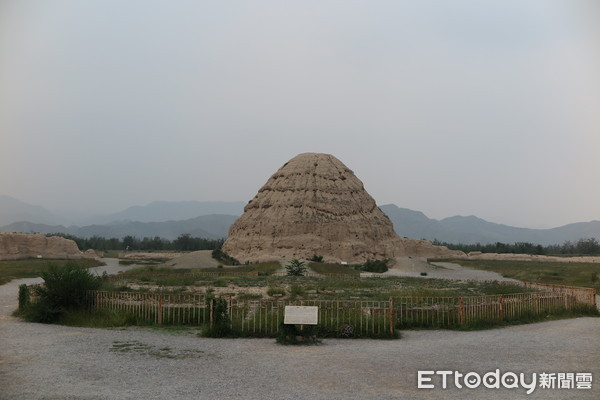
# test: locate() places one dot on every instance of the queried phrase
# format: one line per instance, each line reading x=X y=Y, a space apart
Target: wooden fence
x=348 y=318
x=160 y=308
x=311 y=274
x=583 y=295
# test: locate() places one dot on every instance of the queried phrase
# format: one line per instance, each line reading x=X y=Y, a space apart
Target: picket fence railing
x=348 y=318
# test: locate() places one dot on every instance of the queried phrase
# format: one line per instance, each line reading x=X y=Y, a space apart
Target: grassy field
x=333 y=269
x=299 y=287
x=569 y=274
x=32 y=267
x=418 y=302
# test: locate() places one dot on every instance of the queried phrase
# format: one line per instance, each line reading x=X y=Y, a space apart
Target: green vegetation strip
x=71 y=295
x=558 y=273
x=33 y=267
x=333 y=269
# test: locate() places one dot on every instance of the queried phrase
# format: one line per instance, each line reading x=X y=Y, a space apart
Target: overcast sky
x=459 y=107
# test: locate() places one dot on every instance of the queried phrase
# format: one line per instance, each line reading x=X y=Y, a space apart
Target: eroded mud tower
x=314 y=204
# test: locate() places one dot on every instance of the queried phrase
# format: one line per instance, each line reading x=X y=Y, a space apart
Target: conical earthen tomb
x=314 y=204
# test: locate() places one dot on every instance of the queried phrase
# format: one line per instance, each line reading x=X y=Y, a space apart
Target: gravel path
x=55 y=362
x=413 y=267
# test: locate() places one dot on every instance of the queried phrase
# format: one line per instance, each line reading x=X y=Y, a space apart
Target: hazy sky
x=459 y=107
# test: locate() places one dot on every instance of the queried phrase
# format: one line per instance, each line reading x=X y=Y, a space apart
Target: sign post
x=301 y=315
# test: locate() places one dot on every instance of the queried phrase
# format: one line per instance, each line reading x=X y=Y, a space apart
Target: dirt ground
x=40 y=361
x=56 y=362
x=195 y=259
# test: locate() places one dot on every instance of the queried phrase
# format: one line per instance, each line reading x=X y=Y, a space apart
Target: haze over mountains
x=212 y=220
x=471 y=230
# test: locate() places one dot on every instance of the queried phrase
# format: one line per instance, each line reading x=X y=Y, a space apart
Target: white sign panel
x=301 y=315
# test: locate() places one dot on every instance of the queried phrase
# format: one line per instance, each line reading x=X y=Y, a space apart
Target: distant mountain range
x=470 y=230
x=13 y=210
x=214 y=226
x=213 y=219
x=161 y=211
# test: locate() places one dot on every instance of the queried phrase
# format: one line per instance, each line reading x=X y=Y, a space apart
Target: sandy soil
x=56 y=362
x=414 y=266
x=143 y=255
x=195 y=259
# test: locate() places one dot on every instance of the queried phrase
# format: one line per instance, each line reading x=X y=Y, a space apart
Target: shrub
x=275 y=290
x=291 y=334
x=249 y=296
x=378 y=266
x=221 y=323
x=295 y=268
x=220 y=283
x=63 y=289
x=24 y=297
x=223 y=257
x=347 y=331
x=316 y=258
x=296 y=290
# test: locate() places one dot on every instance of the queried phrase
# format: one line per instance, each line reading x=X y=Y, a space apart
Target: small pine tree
x=295 y=268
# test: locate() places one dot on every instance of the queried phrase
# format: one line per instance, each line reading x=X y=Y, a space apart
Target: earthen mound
x=14 y=246
x=314 y=204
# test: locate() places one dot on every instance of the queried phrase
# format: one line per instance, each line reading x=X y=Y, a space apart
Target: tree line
x=586 y=246
x=184 y=242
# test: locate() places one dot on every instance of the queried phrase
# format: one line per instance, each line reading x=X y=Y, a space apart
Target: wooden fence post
x=500 y=308
x=460 y=311
x=160 y=309
x=212 y=306
x=230 y=312
x=302 y=304
x=391 y=316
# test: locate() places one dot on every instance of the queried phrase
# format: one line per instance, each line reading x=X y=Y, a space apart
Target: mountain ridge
x=472 y=229
x=213 y=226
x=19 y=216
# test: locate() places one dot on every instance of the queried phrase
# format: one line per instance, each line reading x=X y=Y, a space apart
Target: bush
x=316 y=258
x=24 y=297
x=275 y=290
x=295 y=268
x=223 y=257
x=378 y=266
x=220 y=283
x=292 y=334
x=63 y=289
x=221 y=323
x=296 y=290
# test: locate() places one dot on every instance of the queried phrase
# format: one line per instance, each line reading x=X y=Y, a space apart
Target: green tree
x=379 y=266
x=128 y=242
x=295 y=267
x=183 y=242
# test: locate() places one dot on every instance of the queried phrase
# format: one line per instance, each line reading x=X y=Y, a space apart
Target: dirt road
x=56 y=362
